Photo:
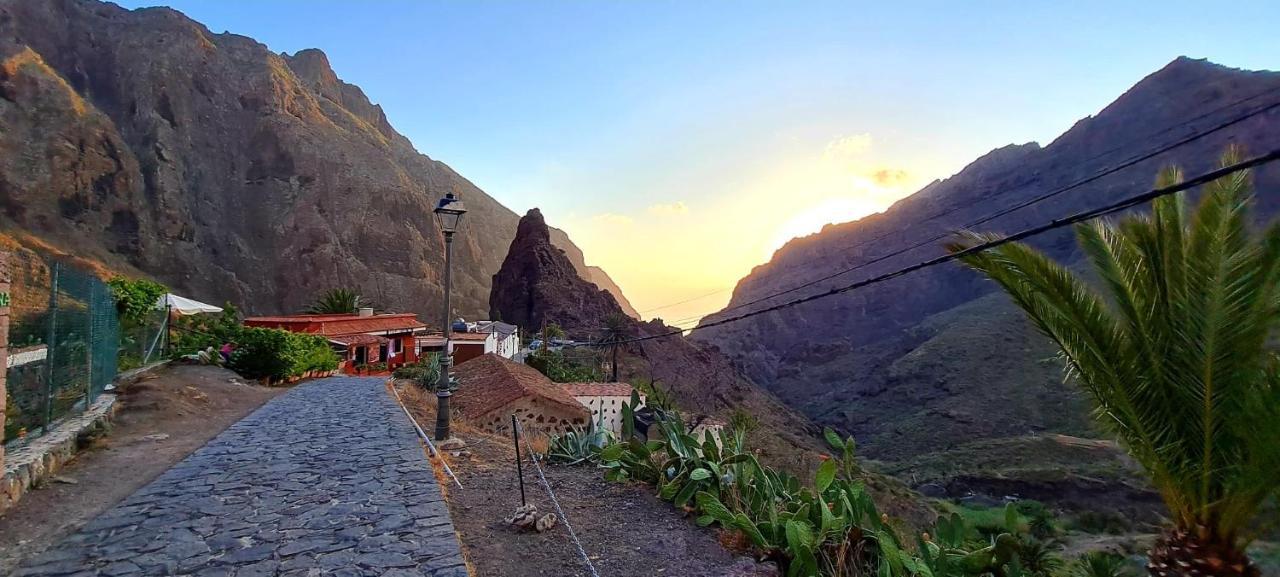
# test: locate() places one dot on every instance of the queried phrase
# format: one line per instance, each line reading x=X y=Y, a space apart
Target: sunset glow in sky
x=681 y=143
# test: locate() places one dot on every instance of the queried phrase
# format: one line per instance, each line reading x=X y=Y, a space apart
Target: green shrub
x=274 y=354
x=560 y=369
x=135 y=298
x=199 y=332
x=425 y=372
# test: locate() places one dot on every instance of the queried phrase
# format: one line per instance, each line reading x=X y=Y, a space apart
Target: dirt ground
x=624 y=528
x=163 y=416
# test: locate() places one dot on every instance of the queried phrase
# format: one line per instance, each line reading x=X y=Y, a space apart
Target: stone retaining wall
x=35 y=461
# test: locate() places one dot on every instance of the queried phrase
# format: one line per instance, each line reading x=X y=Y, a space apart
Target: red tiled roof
x=597 y=389
x=359 y=340
x=334 y=325
x=489 y=382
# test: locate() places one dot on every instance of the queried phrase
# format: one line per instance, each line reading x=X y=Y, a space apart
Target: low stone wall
x=32 y=462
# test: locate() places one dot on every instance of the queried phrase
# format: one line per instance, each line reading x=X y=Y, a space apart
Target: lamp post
x=449 y=213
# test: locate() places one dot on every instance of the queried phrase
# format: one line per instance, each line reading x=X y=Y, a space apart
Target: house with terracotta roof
x=605 y=400
x=362 y=339
x=491 y=388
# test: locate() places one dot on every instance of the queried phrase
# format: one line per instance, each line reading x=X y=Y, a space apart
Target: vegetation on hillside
x=1175 y=355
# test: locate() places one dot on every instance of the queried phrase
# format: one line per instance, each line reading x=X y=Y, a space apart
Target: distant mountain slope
x=936 y=359
x=142 y=140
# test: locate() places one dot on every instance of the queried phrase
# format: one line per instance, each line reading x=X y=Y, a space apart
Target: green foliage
x=425 y=371
x=1102 y=522
x=1101 y=564
x=656 y=396
x=1175 y=354
x=577 y=446
x=741 y=420
x=275 y=354
x=551 y=331
x=337 y=301
x=560 y=368
x=258 y=353
x=196 y=333
x=830 y=527
x=135 y=298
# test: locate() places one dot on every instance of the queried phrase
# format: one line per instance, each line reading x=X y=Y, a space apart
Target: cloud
x=847 y=147
x=890 y=177
x=669 y=209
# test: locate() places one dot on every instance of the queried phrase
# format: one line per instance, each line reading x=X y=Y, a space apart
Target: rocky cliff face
x=142 y=140
x=936 y=358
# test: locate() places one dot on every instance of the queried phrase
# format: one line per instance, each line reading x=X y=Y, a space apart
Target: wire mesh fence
x=65 y=341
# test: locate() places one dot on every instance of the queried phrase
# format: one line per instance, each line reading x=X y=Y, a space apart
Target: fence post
x=51 y=345
x=4 y=344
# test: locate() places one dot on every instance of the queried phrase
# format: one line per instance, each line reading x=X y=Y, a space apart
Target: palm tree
x=616 y=329
x=1175 y=356
x=337 y=301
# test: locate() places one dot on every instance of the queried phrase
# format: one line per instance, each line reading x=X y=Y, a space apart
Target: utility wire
x=1003 y=212
x=1051 y=225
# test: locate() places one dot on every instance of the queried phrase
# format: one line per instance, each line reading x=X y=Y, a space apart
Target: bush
x=135 y=297
x=561 y=369
x=425 y=372
x=275 y=355
x=196 y=333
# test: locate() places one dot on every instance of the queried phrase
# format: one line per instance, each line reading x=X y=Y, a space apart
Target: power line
x=667 y=306
x=941 y=214
x=1051 y=225
x=1003 y=212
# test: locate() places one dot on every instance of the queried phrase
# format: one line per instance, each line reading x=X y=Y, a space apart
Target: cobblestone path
x=327 y=479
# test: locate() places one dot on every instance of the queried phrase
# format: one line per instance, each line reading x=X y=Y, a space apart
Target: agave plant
x=1175 y=356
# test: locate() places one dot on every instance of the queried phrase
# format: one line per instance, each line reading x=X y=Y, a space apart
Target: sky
x=680 y=143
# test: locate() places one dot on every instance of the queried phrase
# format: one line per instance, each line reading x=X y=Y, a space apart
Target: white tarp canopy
x=185 y=306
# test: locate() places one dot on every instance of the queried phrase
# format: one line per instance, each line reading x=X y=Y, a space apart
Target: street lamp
x=449 y=213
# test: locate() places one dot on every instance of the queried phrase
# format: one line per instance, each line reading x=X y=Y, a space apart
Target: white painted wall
x=608 y=409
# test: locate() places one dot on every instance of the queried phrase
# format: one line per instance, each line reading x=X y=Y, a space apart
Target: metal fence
x=64 y=342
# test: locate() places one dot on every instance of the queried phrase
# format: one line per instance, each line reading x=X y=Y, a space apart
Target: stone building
x=492 y=388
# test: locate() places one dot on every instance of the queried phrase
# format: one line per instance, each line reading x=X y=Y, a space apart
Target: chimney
x=366 y=311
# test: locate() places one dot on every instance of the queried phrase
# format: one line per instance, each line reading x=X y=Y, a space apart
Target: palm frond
x=1175 y=355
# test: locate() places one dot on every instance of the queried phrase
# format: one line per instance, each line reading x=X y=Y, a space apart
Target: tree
x=1175 y=356
x=337 y=301
x=616 y=329
x=552 y=331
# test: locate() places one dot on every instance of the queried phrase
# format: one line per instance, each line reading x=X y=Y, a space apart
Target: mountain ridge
x=852 y=359
x=226 y=170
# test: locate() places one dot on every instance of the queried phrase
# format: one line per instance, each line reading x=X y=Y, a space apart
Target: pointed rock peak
x=538 y=284
x=532 y=227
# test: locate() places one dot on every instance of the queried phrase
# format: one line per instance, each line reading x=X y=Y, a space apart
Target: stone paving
x=327 y=479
